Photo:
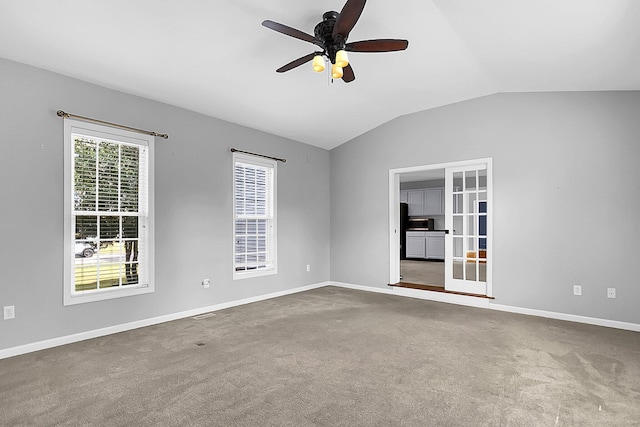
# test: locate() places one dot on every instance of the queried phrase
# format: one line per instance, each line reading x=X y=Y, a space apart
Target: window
x=108 y=213
x=254 y=212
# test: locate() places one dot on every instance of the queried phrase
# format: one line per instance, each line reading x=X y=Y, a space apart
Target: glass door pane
x=466 y=261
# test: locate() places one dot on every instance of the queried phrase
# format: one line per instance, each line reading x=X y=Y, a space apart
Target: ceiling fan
x=331 y=35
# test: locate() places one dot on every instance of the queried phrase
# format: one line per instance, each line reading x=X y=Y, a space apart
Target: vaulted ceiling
x=215 y=58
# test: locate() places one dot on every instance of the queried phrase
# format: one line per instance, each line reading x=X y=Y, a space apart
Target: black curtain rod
x=61 y=113
x=233 y=150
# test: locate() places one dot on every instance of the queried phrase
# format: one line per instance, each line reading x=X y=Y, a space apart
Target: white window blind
x=108 y=229
x=254 y=217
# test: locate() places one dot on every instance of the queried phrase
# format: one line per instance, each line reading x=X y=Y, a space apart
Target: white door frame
x=394 y=214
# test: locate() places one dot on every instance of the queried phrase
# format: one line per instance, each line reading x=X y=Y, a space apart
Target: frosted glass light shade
x=318 y=64
x=336 y=72
x=341 y=58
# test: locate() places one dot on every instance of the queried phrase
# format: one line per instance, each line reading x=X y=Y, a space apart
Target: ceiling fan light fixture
x=318 y=63
x=336 y=71
x=342 y=60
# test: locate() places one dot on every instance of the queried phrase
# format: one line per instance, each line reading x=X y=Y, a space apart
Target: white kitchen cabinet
x=416 y=244
x=433 y=201
x=415 y=199
x=424 y=201
x=425 y=244
x=434 y=245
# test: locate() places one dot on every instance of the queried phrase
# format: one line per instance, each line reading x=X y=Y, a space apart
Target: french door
x=468 y=243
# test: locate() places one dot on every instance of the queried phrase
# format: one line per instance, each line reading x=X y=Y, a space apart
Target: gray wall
x=193 y=184
x=563 y=162
x=564 y=165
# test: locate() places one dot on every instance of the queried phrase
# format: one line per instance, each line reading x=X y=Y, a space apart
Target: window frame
x=74 y=127
x=273 y=242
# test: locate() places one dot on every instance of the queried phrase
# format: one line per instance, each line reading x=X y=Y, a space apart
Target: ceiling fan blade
x=292 y=32
x=347 y=74
x=296 y=63
x=348 y=17
x=379 y=45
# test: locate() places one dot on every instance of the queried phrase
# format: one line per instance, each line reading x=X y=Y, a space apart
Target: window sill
x=99 y=295
x=238 y=275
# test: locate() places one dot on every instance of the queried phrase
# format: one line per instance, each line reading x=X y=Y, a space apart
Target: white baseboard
x=388 y=291
x=420 y=294
x=68 y=339
x=486 y=303
x=568 y=317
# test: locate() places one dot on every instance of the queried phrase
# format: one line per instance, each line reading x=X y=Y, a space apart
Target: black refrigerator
x=404 y=224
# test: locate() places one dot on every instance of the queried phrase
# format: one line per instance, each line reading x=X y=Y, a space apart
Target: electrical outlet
x=577 y=289
x=308 y=268
x=9 y=312
x=206 y=283
x=611 y=292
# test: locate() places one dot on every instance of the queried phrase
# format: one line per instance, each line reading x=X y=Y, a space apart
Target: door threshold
x=433 y=288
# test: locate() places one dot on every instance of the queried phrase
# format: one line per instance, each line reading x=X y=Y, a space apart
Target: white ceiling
x=214 y=57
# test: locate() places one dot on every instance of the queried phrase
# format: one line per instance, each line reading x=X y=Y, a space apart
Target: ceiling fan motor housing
x=324 y=32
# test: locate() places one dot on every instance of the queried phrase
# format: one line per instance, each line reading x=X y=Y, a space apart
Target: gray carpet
x=334 y=357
